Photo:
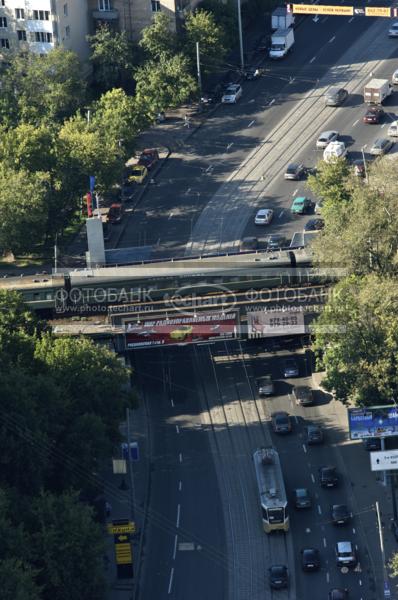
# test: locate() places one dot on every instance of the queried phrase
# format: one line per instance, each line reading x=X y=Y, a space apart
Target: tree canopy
x=112 y=57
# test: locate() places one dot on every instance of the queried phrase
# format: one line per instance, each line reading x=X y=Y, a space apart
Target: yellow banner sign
x=317 y=9
x=125 y=528
x=378 y=11
x=123 y=554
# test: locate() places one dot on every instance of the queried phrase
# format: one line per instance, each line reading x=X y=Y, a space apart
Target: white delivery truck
x=281 y=43
x=281 y=19
x=376 y=91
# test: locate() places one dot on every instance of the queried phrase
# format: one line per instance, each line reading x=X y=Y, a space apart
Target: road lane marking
x=332 y=39
x=327 y=577
x=158 y=242
x=177 y=429
x=171 y=580
x=312 y=59
x=349 y=20
x=353 y=530
x=172 y=402
x=324 y=542
x=360 y=582
x=355 y=123
x=304 y=448
x=187 y=192
x=382 y=125
x=281 y=213
x=187 y=546
x=308 y=530
x=319 y=509
x=209 y=168
x=230 y=145
x=175 y=547
x=295 y=192
x=316 y=19
x=178 y=516
x=296 y=419
x=170 y=215
x=180 y=457
x=313 y=478
x=179 y=486
x=271 y=103
x=251 y=123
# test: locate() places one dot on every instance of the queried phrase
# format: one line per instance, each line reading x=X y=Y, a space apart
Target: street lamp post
x=387 y=592
x=242 y=59
x=364 y=163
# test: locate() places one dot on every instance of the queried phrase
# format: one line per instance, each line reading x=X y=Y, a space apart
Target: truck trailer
x=281 y=43
x=376 y=91
x=281 y=19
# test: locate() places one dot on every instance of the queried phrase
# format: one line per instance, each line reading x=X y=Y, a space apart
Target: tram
x=272 y=490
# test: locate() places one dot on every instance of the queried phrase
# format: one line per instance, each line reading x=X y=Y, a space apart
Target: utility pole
x=242 y=58
x=387 y=592
x=364 y=163
x=198 y=69
x=55 y=254
x=394 y=498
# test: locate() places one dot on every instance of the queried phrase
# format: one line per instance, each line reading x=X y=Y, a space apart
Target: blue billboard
x=373 y=421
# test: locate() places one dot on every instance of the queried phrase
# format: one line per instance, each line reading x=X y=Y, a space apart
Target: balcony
x=106 y=15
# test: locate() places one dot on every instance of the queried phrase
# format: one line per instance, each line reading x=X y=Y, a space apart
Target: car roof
x=312 y=427
x=293 y=165
x=280 y=413
x=263 y=211
x=299 y=200
x=344 y=546
x=327 y=133
x=380 y=141
x=301 y=491
x=278 y=568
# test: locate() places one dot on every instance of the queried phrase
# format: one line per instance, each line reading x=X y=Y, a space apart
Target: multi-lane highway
x=207 y=195
x=205 y=537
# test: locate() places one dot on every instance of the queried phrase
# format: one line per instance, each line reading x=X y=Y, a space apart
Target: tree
x=332 y=181
x=201 y=27
x=393 y=565
x=225 y=15
x=23 y=209
x=28 y=147
x=113 y=115
x=167 y=83
x=111 y=55
x=357 y=340
x=158 y=39
x=17 y=581
x=67 y=548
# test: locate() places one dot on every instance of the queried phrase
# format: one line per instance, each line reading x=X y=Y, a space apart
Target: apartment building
x=40 y=25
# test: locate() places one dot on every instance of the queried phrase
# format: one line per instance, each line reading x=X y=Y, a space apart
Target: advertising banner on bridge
x=373 y=421
x=181 y=330
x=321 y=9
x=272 y=323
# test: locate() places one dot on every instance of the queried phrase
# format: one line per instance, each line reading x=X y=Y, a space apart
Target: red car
x=115 y=213
x=373 y=115
x=148 y=158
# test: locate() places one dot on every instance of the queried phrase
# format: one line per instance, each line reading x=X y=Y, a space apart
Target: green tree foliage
x=28 y=147
x=158 y=39
x=393 y=566
x=201 y=27
x=166 y=83
x=357 y=340
x=113 y=115
x=225 y=15
x=332 y=181
x=17 y=581
x=111 y=55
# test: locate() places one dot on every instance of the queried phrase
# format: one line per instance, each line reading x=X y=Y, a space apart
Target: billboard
x=373 y=421
x=271 y=323
x=181 y=330
x=318 y=9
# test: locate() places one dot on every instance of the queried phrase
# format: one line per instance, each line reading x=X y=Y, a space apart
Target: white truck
x=281 y=43
x=281 y=19
x=334 y=150
x=376 y=91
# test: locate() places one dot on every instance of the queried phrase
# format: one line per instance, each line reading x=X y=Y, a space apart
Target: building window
x=3 y=22
x=4 y=43
x=67 y=31
x=65 y=10
x=105 y=5
x=43 y=36
x=155 y=4
x=19 y=13
x=3 y=3
x=41 y=15
x=21 y=33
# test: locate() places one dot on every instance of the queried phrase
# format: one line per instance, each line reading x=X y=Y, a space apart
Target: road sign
x=120 y=527
x=378 y=11
x=318 y=9
x=134 y=451
x=384 y=460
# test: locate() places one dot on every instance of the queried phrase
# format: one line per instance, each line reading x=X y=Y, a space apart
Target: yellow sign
x=377 y=11
x=123 y=554
x=317 y=9
x=125 y=528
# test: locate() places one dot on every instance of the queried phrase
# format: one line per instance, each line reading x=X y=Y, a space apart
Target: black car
x=303 y=395
x=372 y=444
x=278 y=577
x=328 y=476
x=340 y=514
x=302 y=498
x=249 y=243
x=314 y=435
x=310 y=559
x=338 y=594
x=294 y=171
x=314 y=225
x=281 y=422
x=276 y=241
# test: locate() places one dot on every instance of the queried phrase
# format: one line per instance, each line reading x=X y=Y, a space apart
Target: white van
x=334 y=150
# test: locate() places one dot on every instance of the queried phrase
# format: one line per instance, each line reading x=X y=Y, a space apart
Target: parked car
x=340 y=514
x=310 y=559
x=318 y=207
x=394 y=77
x=303 y=395
x=264 y=216
x=232 y=94
x=326 y=137
x=302 y=498
x=335 y=96
x=346 y=554
x=276 y=241
x=148 y=158
x=372 y=444
x=338 y=594
x=294 y=171
x=136 y=173
x=265 y=386
x=290 y=368
x=301 y=205
x=248 y=243
x=381 y=146
x=328 y=476
x=393 y=30
x=393 y=129
x=314 y=435
x=278 y=577
x=281 y=422
x=373 y=115
x=115 y=213
x=314 y=225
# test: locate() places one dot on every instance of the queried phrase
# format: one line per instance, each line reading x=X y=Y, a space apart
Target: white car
x=393 y=129
x=326 y=137
x=232 y=94
x=394 y=77
x=381 y=146
x=334 y=150
x=393 y=31
x=264 y=216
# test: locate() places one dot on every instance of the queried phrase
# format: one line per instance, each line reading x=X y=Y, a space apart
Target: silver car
x=265 y=386
x=394 y=77
x=381 y=146
x=326 y=137
x=393 y=31
x=232 y=94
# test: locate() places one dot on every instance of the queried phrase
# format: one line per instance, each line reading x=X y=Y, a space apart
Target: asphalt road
x=205 y=538
x=213 y=169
